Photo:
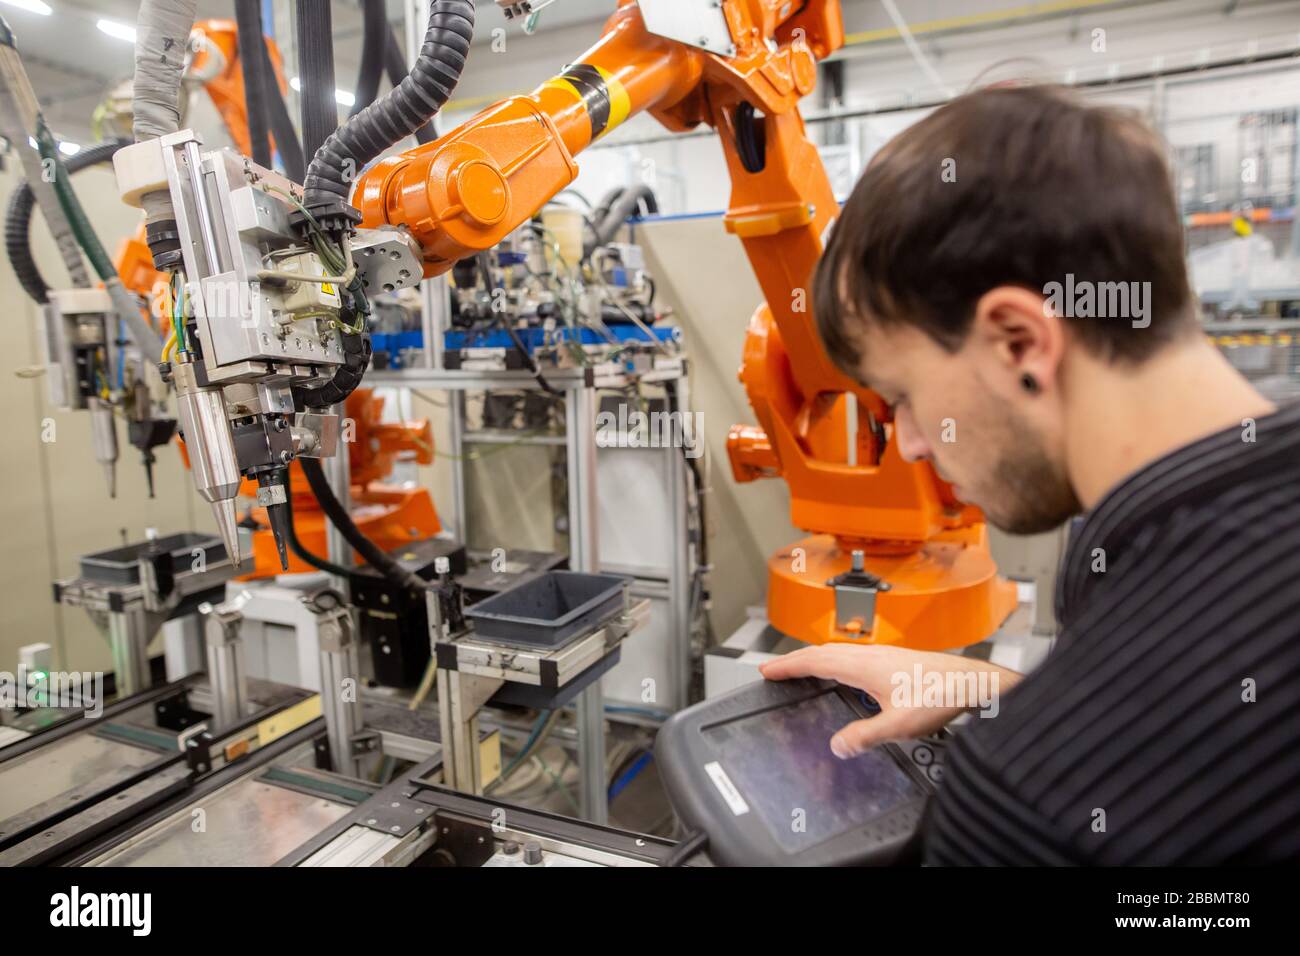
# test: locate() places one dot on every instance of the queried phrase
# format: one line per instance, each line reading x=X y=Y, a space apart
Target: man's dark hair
x=1015 y=186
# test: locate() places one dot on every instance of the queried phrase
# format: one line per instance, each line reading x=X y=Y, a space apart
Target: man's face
x=974 y=423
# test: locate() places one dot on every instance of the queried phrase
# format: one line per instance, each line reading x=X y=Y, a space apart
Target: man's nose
x=911 y=443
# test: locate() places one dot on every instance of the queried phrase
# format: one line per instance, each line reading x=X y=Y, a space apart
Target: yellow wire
x=169 y=345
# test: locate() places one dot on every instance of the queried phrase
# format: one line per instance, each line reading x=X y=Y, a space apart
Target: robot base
x=945 y=594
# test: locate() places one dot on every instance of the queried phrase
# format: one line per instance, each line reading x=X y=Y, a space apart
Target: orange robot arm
x=468 y=190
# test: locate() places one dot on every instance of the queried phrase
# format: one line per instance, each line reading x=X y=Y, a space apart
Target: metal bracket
x=175 y=713
x=397 y=817
x=701 y=24
x=366 y=742
x=855 y=596
x=461 y=841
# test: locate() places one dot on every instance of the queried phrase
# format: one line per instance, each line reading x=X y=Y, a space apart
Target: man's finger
x=805 y=662
x=861 y=735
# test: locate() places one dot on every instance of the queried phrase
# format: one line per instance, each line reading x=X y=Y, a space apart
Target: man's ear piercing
x=1029 y=383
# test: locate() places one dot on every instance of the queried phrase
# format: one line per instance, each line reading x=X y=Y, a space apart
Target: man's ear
x=1023 y=334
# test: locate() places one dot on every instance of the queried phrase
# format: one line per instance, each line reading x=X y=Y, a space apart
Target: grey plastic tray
x=549 y=609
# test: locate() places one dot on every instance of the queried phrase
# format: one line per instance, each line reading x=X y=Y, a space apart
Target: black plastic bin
x=548 y=610
x=122 y=565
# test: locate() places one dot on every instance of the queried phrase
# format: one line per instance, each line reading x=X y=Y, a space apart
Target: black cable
x=374 y=37
x=399 y=113
x=609 y=217
x=751 y=144
x=248 y=20
x=298 y=548
x=484 y=260
x=395 y=67
x=607 y=200
x=692 y=844
x=697 y=478
x=370 y=552
x=356 y=359
x=282 y=128
x=18 y=219
x=320 y=116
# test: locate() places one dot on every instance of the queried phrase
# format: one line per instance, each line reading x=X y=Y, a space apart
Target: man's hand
x=878 y=670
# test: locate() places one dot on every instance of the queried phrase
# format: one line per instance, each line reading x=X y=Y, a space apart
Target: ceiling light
x=343 y=97
x=66 y=148
x=120 y=31
x=31 y=6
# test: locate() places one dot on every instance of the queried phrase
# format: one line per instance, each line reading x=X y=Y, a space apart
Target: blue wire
x=629 y=775
x=639 y=711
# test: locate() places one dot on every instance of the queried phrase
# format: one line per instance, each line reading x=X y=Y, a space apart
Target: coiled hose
x=400 y=112
x=18 y=219
x=342 y=153
x=381 y=53
x=395 y=67
x=356 y=359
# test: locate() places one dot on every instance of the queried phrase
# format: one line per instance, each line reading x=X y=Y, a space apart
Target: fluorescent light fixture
x=31 y=6
x=342 y=97
x=66 y=148
x=120 y=31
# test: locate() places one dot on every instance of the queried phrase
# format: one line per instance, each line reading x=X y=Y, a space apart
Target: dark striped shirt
x=1164 y=728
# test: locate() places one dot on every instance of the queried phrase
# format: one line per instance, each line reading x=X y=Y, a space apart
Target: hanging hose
x=125 y=305
x=282 y=128
x=344 y=151
x=616 y=208
x=337 y=155
x=374 y=37
x=381 y=52
x=373 y=555
x=298 y=548
x=320 y=116
x=18 y=219
x=598 y=214
x=399 y=113
x=248 y=19
x=395 y=67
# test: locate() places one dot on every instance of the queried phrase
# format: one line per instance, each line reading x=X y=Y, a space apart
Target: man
x=1014 y=263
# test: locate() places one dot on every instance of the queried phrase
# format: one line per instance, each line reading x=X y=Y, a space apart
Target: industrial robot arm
x=894 y=558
